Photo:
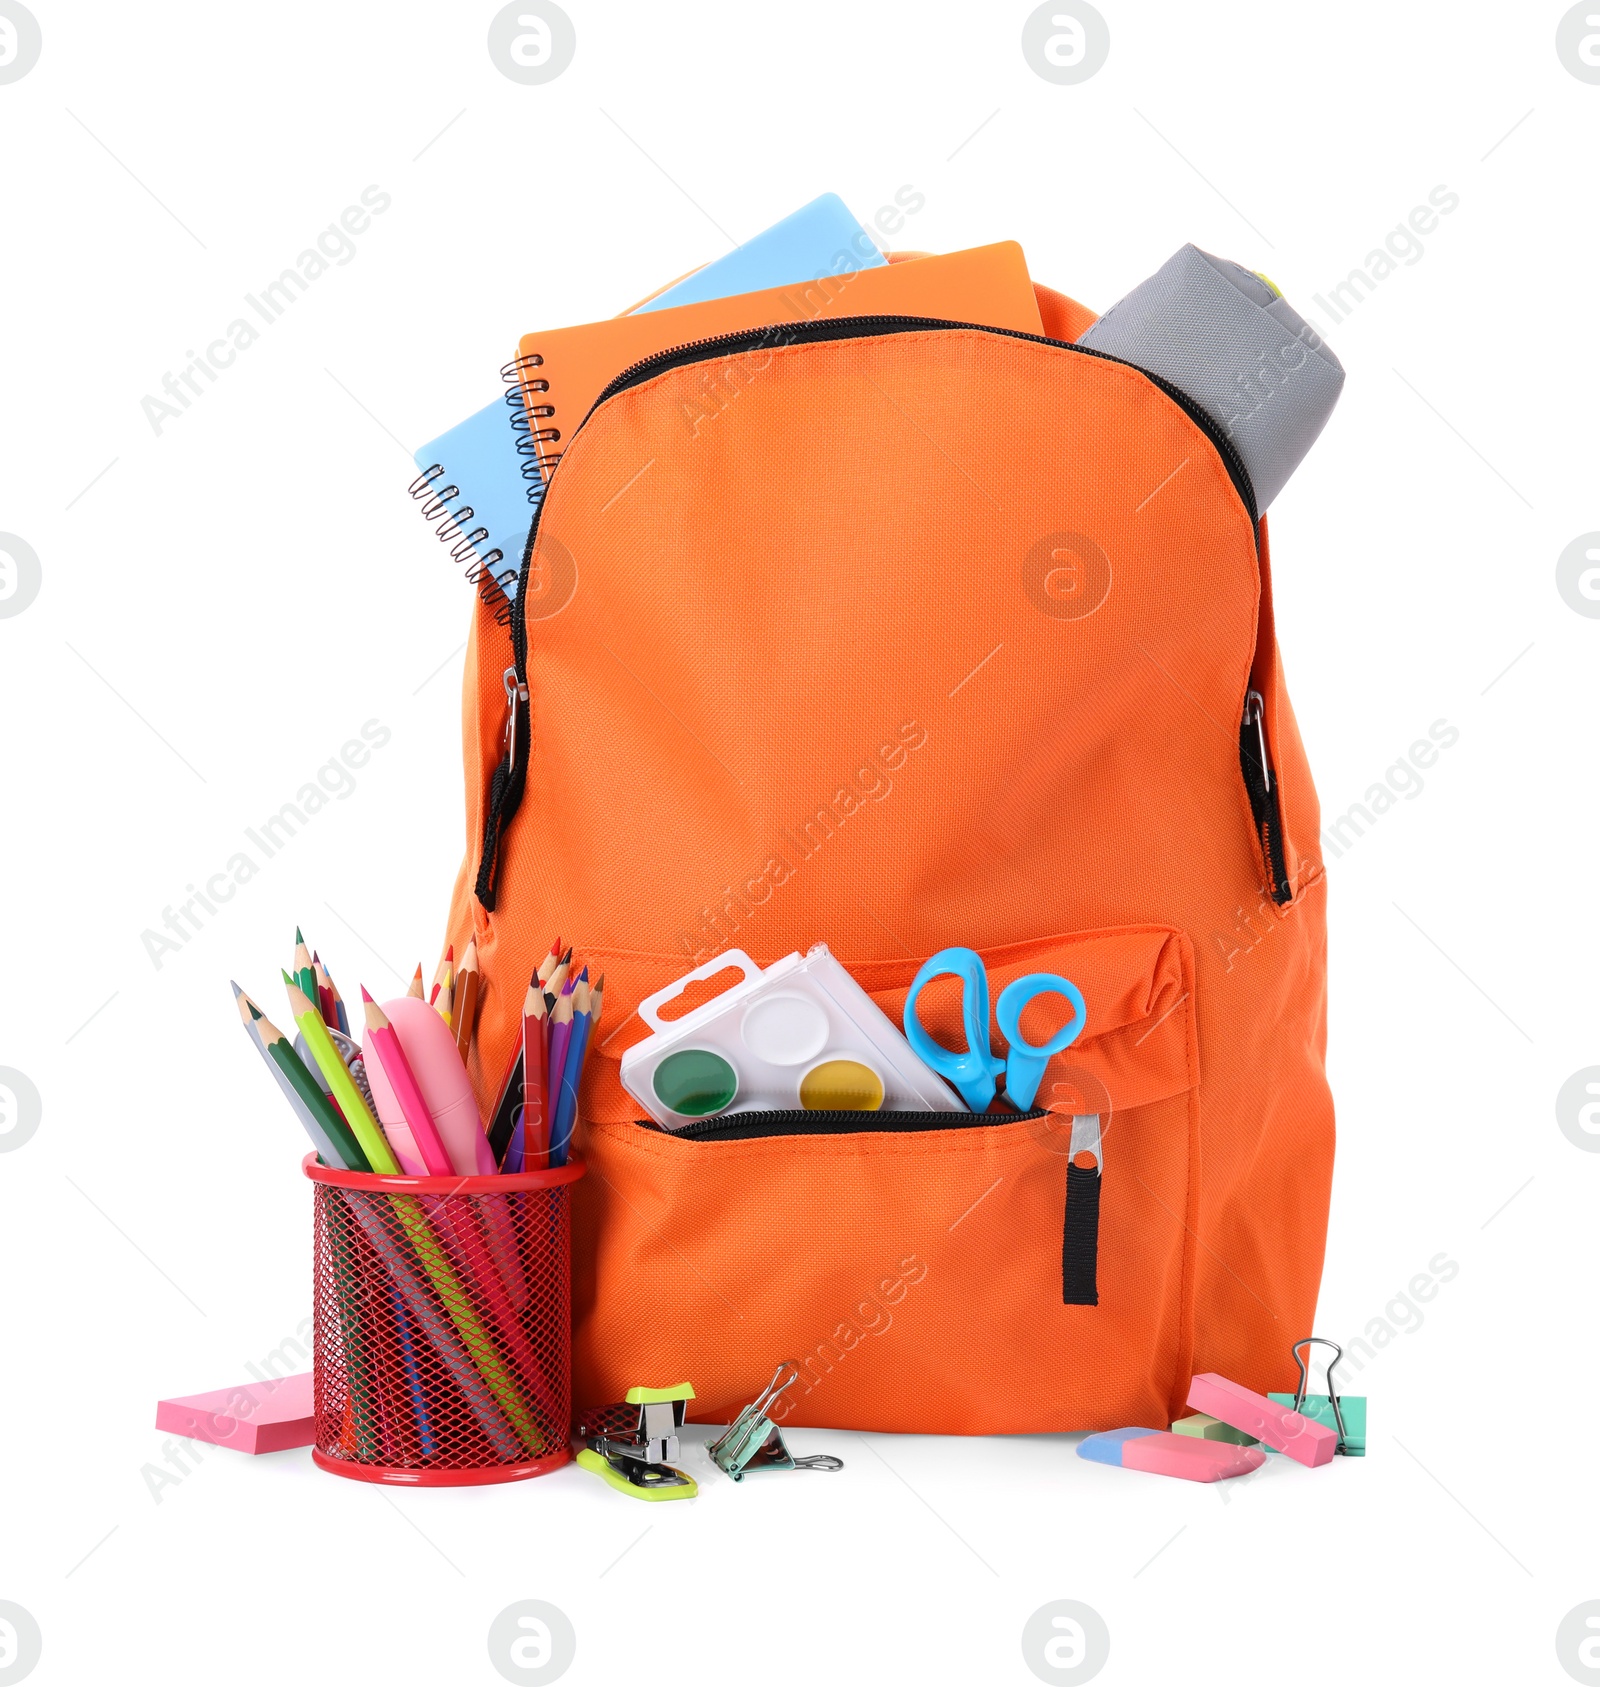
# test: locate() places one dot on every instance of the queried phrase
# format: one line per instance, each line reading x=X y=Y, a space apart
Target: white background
x=225 y=602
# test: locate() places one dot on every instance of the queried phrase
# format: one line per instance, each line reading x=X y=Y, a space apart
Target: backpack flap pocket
x=949 y=1272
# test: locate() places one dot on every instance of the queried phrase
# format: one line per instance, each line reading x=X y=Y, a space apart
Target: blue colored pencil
x=419 y=1405
x=566 y=1113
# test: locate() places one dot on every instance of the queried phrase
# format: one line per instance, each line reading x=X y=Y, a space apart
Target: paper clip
x=754 y=1442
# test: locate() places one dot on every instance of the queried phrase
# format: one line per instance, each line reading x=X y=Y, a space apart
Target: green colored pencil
x=281 y=1052
x=369 y=1133
x=304 y=971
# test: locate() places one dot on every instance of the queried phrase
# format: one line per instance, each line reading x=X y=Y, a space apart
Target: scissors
x=973 y=1071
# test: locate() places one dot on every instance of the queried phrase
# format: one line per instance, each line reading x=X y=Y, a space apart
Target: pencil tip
x=297 y=936
x=583 y=977
x=450 y=954
x=364 y=996
x=566 y=959
x=288 y=980
x=237 y=992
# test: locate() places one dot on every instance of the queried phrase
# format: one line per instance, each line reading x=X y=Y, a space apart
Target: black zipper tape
x=505 y=794
x=1255 y=762
x=796 y=1121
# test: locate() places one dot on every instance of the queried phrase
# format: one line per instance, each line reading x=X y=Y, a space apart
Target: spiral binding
x=435 y=501
x=537 y=463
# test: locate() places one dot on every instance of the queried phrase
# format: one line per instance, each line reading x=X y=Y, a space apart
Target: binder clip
x=634 y=1460
x=754 y=1442
x=1345 y=1414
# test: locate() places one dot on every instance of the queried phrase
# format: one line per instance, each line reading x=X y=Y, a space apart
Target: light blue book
x=479 y=459
x=819 y=239
x=479 y=456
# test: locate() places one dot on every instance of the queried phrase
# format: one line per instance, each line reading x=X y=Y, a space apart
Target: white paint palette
x=800 y=1035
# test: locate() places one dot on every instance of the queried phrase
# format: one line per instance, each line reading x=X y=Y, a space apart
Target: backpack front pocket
x=953 y=1272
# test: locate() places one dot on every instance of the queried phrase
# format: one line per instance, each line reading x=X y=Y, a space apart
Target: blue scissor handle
x=1026 y=1063
x=973 y=1070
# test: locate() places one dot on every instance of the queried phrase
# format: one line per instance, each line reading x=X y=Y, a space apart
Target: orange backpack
x=923 y=634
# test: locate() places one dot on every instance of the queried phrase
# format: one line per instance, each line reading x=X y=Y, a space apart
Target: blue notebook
x=819 y=239
x=478 y=457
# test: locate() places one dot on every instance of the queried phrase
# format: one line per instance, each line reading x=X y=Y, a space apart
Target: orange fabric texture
x=927 y=638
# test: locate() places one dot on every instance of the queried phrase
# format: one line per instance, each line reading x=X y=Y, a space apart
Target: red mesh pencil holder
x=443 y=1312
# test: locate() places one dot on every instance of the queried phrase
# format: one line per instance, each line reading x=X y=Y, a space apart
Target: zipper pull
x=505 y=791
x=516 y=692
x=1253 y=716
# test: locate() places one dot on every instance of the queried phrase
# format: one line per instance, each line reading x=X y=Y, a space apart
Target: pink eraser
x=1163 y=1454
x=1280 y=1427
x=431 y=1054
x=251 y=1417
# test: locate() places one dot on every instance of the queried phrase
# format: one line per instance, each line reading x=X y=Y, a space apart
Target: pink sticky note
x=251 y=1417
x=1282 y=1429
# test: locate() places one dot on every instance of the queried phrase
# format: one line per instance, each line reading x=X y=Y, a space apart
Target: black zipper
x=1256 y=761
x=795 y=1121
x=506 y=787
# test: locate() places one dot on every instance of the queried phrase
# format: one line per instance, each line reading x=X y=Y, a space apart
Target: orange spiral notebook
x=564 y=370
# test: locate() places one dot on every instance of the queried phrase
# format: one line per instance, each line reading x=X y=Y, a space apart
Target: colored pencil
x=507 y=1104
x=368 y=1132
x=530 y=1140
x=460 y=1223
x=472 y=1360
x=596 y=1000
x=443 y=978
x=421 y=1236
x=413 y=1220
x=250 y=1014
x=551 y=961
x=419 y=1405
x=384 y=1046
x=356 y=1349
x=445 y=1002
x=304 y=972
x=309 y=1092
x=557 y=981
x=560 y=1042
x=330 y=1016
x=466 y=1005
x=415 y=986
x=341 y=1019
x=566 y=1107
x=452 y=1346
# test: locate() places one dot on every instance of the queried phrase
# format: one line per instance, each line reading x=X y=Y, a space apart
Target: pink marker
x=1280 y=1427
x=1163 y=1454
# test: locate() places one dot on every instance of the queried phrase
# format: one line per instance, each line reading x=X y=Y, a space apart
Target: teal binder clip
x=754 y=1442
x=1345 y=1414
